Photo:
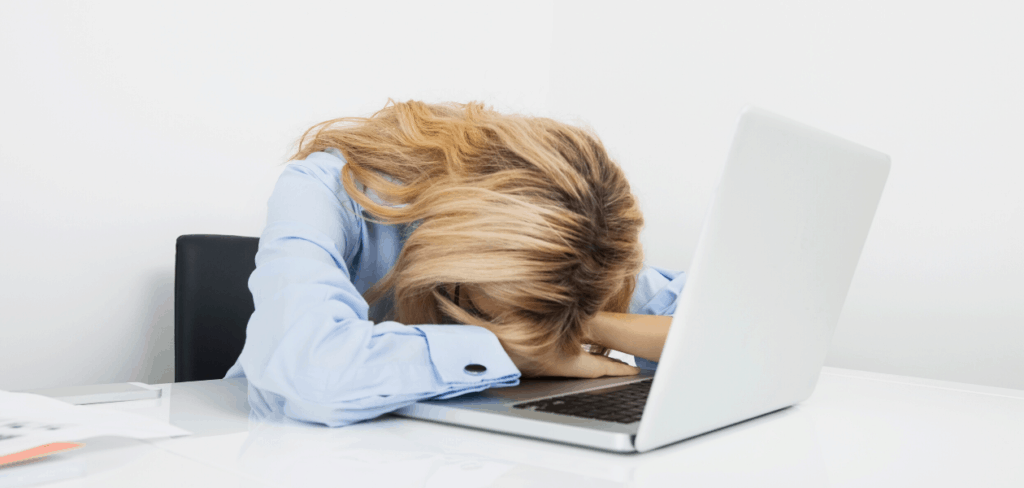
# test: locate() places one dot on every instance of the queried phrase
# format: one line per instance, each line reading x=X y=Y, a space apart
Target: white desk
x=858 y=429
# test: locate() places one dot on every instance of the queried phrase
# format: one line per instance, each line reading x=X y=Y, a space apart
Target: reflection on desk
x=858 y=429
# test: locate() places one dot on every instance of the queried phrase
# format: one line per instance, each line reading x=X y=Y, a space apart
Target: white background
x=123 y=126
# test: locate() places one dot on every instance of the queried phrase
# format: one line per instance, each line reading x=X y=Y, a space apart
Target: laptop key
x=621 y=404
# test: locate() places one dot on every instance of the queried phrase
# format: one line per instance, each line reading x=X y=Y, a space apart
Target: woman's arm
x=640 y=335
x=643 y=330
x=554 y=363
x=311 y=352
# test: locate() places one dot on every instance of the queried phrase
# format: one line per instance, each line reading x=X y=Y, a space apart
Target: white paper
x=28 y=421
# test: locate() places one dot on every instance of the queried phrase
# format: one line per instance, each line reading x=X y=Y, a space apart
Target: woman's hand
x=582 y=365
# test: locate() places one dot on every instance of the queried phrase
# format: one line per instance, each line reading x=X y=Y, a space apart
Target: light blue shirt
x=316 y=352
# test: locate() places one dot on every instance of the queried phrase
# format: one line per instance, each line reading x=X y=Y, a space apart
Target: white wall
x=125 y=125
x=937 y=85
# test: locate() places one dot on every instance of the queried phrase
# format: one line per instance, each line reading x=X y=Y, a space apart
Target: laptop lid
x=769 y=277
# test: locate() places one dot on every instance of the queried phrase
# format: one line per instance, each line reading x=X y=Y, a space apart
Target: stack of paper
x=32 y=426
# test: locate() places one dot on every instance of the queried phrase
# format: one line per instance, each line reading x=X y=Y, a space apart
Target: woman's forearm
x=639 y=335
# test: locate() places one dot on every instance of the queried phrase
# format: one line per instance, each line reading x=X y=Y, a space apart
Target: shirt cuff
x=468 y=356
x=645 y=364
x=657 y=291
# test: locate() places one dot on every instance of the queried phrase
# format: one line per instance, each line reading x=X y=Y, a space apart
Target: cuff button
x=475 y=369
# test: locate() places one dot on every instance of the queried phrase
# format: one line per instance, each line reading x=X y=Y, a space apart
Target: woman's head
x=527 y=214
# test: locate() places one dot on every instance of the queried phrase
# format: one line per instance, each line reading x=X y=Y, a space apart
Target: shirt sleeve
x=311 y=353
x=657 y=293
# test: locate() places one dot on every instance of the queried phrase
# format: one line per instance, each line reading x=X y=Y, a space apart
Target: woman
x=521 y=229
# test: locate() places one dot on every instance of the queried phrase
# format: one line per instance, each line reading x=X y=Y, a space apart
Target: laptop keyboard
x=623 y=404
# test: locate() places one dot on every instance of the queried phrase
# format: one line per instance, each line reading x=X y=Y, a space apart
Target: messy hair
x=530 y=211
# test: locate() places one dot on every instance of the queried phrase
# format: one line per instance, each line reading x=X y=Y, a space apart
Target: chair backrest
x=212 y=303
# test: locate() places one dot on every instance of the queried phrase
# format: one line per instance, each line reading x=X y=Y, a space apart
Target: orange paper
x=37 y=452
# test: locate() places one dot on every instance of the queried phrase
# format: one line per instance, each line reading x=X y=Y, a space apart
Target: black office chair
x=212 y=303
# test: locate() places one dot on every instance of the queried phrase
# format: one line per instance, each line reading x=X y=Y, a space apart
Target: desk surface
x=857 y=429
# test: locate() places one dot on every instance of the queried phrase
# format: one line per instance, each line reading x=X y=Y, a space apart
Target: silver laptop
x=771 y=270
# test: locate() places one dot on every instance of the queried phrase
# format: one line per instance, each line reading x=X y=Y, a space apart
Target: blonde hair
x=531 y=211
